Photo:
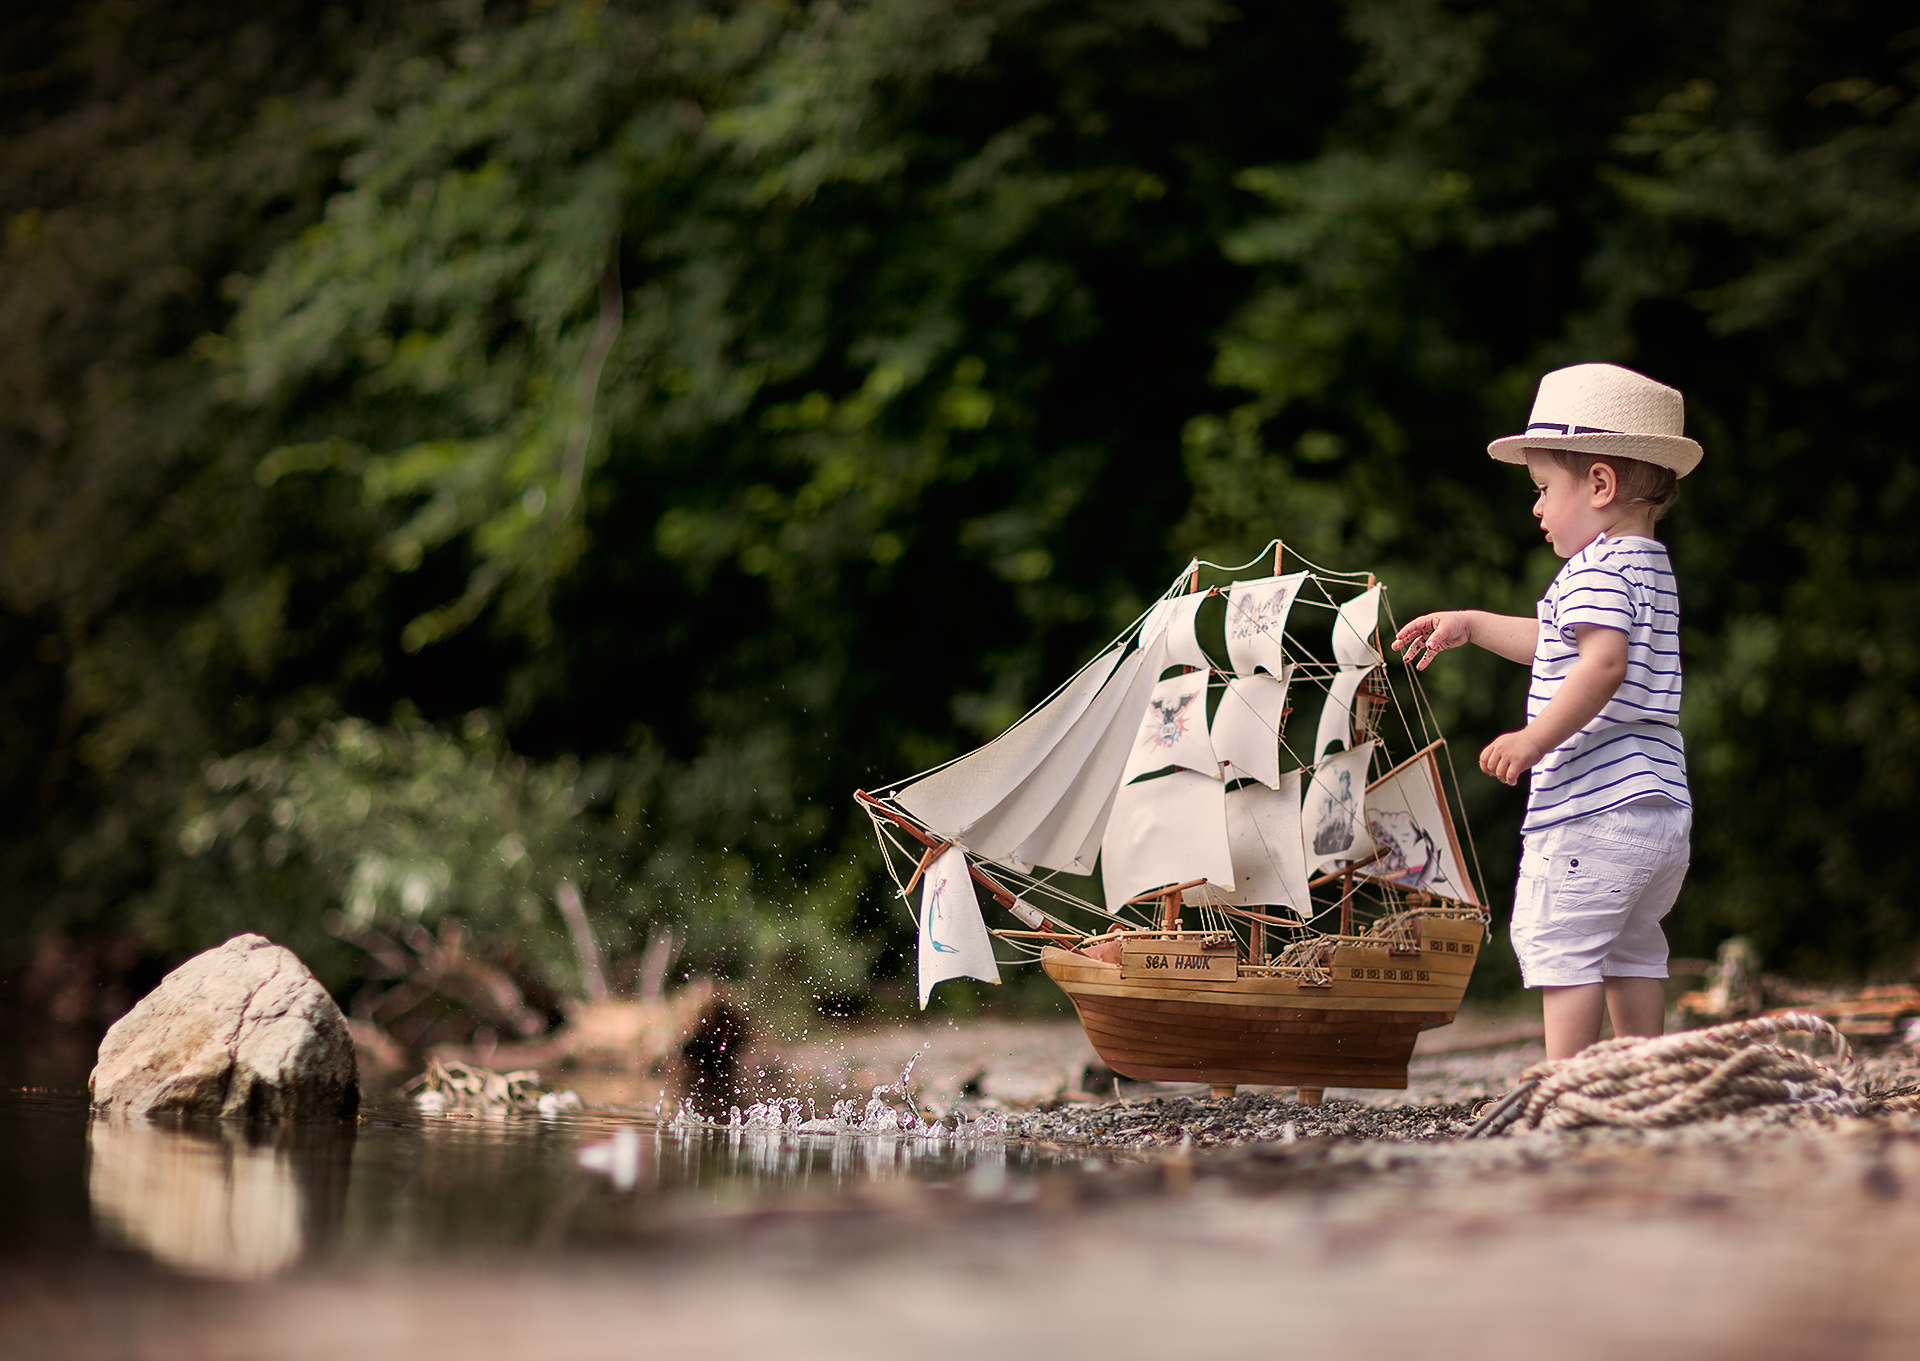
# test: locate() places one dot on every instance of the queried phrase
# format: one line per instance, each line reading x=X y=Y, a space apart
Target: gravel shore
x=1251 y=1117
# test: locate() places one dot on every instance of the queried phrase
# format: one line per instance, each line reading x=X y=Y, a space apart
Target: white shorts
x=1592 y=892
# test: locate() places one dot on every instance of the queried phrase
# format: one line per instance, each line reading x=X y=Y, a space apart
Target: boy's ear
x=1603 y=484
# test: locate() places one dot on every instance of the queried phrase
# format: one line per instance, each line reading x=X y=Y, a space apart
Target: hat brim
x=1666 y=451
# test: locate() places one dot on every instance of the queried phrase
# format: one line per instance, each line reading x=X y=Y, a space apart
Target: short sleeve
x=1595 y=593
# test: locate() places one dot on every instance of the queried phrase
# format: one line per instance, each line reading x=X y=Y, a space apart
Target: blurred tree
x=1774 y=242
x=157 y=605
x=747 y=401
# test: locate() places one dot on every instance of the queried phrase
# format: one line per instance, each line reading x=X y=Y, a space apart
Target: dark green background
x=455 y=449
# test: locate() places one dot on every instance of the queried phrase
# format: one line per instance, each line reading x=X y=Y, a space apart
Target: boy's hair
x=1641 y=484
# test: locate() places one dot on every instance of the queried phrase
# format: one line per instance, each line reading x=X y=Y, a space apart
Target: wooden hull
x=1356 y=1031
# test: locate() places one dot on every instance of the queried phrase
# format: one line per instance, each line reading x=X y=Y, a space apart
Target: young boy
x=1605 y=841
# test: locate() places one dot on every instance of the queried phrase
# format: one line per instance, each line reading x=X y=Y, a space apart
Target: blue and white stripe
x=1631 y=750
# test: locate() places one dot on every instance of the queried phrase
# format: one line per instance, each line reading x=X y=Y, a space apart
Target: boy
x=1605 y=841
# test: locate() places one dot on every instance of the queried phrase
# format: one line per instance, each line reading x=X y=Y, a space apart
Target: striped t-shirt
x=1631 y=750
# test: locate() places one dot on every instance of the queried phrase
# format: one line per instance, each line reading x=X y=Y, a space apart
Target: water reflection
x=227 y=1202
x=760 y=1163
x=232 y=1203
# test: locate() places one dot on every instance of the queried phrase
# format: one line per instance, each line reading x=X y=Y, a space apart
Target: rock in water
x=244 y=1032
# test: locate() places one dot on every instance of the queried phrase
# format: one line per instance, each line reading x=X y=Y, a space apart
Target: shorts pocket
x=1588 y=895
x=1529 y=894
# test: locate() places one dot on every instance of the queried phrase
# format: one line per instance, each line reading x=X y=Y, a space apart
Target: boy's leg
x=1638 y=1006
x=1572 y=1017
x=1636 y=967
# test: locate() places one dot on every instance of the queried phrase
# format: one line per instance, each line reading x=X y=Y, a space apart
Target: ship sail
x=1257 y=613
x=1183 y=639
x=1165 y=829
x=1246 y=730
x=1333 y=822
x=1039 y=793
x=1408 y=820
x=1263 y=837
x=953 y=936
x=961 y=792
x=1335 y=732
x=1173 y=730
x=1354 y=628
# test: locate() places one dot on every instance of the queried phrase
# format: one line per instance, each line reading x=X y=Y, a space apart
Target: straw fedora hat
x=1605 y=409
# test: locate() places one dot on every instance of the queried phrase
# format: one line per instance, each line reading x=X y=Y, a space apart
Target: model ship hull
x=1357 y=1029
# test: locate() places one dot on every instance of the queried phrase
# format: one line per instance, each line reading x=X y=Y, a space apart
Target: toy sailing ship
x=1264 y=915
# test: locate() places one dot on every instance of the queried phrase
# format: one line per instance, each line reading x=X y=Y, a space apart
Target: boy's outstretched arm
x=1584 y=692
x=1506 y=635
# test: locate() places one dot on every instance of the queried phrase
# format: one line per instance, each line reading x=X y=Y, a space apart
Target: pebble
x=1251 y=1117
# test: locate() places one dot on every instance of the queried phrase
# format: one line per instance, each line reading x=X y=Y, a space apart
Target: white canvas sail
x=1263 y=837
x=1246 y=730
x=953 y=936
x=1332 y=821
x=1256 y=622
x=1068 y=838
x=1183 y=643
x=1354 y=630
x=959 y=794
x=1173 y=729
x=1112 y=718
x=1165 y=830
x=1154 y=626
x=1407 y=817
x=1154 y=623
x=1335 y=732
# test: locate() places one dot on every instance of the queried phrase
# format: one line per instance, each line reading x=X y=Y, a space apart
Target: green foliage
x=749 y=401
x=1780 y=243
x=395 y=828
x=156 y=604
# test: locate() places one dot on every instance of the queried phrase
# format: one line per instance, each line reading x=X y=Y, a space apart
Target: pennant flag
x=953 y=935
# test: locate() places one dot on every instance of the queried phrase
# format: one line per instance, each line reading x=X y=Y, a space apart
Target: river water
x=405 y=1235
x=226 y=1202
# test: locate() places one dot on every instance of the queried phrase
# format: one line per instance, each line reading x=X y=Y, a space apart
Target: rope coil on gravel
x=1679 y=1079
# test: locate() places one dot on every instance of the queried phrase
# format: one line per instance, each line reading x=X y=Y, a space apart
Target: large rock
x=243 y=1032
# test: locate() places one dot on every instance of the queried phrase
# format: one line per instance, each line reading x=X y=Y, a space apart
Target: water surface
x=229 y=1202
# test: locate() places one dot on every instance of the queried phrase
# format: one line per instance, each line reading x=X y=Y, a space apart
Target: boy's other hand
x=1510 y=755
x=1430 y=635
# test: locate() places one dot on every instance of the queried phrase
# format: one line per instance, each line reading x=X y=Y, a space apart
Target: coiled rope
x=1679 y=1079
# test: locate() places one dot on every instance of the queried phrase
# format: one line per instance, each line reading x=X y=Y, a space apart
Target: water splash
x=891 y=1112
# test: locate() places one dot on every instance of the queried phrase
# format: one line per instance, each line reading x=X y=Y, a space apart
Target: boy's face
x=1573 y=510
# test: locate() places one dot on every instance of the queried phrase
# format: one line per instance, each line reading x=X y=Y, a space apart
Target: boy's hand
x=1511 y=755
x=1432 y=634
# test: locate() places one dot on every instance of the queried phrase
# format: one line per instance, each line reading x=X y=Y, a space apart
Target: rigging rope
x=1679 y=1079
